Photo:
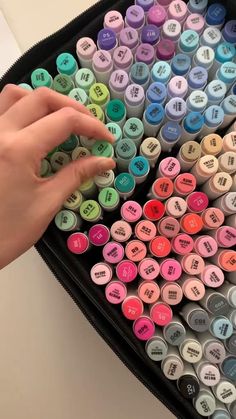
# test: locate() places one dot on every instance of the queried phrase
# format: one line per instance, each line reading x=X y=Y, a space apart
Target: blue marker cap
x=193 y=122
x=124 y=183
x=106 y=39
x=225 y=52
x=222 y=324
x=229 y=105
x=150 y=34
x=197 y=6
x=66 y=64
x=154 y=113
x=139 y=73
x=197 y=78
x=189 y=40
x=156 y=93
x=220 y=414
x=161 y=72
x=171 y=132
x=227 y=72
x=213 y=116
x=145 y=4
x=215 y=14
x=181 y=64
x=228 y=367
x=216 y=91
x=229 y=32
x=139 y=166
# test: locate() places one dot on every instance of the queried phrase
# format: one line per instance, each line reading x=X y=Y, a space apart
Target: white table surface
x=53 y=365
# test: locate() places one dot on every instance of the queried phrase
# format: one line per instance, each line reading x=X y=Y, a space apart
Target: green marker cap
x=62 y=84
x=109 y=198
x=124 y=183
x=41 y=77
x=116 y=110
x=85 y=79
x=79 y=95
x=74 y=201
x=70 y=144
x=87 y=186
x=66 y=64
x=133 y=128
x=90 y=211
x=99 y=94
x=66 y=220
x=52 y=152
x=25 y=86
x=116 y=131
x=102 y=149
x=97 y=111
x=126 y=149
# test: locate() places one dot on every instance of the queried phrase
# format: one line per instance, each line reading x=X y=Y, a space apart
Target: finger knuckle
x=43 y=93
x=70 y=114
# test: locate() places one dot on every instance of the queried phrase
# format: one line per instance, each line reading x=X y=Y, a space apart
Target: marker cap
x=189 y=41
x=205 y=403
x=197 y=202
x=115 y=292
x=102 y=61
x=131 y=211
x=102 y=149
x=139 y=167
x=84 y=79
x=135 y=17
x=225 y=52
x=197 y=77
x=191 y=223
x=115 y=110
x=171 y=293
x=41 y=77
x=177 y=10
x=196 y=6
x=196 y=317
x=99 y=94
x=176 y=109
x=79 y=95
x=214 y=116
x=106 y=39
x=126 y=271
x=74 y=201
x=195 y=22
x=101 y=273
x=156 y=348
x=161 y=313
x=129 y=38
x=143 y=328
x=170 y=270
x=197 y=102
x=62 y=84
x=212 y=276
x=114 y=20
x=145 y=53
x=125 y=184
x=229 y=32
x=134 y=95
x=215 y=14
x=192 y=287
x=176 y=207
x=216 y=91
x=181 y=64
x=221 y=327
x=96 y=111
x=157 y=15
x=109 y=199
x=162 y=188
x=78 y=243
x=169 y=167
x=70 y=144
x=206 y=246
x=212 y=144
x=204 y=57
x=145 y=4
x=150 y=35
x=171 y=30
x=25 y=86
x=99 y=235
x=145 y=230
x=139 y=73
x=90 y=211
x=175 y=332
x=184 y=184
x=132 y=307
x=148 y=269
x=177 y=87
x=85 y=48
x=161 y=72
x=193 y=122
x=135 y=250
x=160 y=247
x=149 y=292
x=66 y=64
x=153 y=210
x=126 y=149
x=165 y=50
x=182 y=244
x=168 y=227
x=123 y=58
x=151 y=149
x=67 y=220
x=154 y=114
x=227 y=72
x=156 y=93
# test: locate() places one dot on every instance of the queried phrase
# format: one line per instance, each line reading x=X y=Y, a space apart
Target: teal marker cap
x=70 y=144
x=102 y=149
x=227 y=72
x=62 y=84
x=25 y=86
x=66 y=64
x=41 y=78
x=139 y=166
x=124 y=183
x=161 y=72
x=116 y=131
x=189 y=40
x=225 y=52
x=116 y=110
x=133 y=128
x=126 y=149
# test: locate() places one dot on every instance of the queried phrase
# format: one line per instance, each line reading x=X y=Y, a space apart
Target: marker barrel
x=188 y=155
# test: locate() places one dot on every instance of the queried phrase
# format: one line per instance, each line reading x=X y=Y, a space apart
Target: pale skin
x=31 y=125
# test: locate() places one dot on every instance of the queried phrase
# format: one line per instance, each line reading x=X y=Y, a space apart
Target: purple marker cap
x=165 y=50
x=145 y=4
x=176 y=109
x=157 y=16
x=135 y=17
x=123 y=57
x=145 y=53
x=134 y=94
x=229 y=32
x=197 y=78
x=129 y=37
x=150 y=34
x=102 y=60
x=119 y=80
x=107 y=39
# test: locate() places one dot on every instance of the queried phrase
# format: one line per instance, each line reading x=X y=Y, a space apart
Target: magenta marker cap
x=115 y=292
x=170 y=270
x=176 y=109
x=107 y=39
x=135 y=17
x=113 y=252
x=123 y=57
x=145 y=53
x=197 y=201
x=165 y=50
x=157 y=15
x=78 y=243
x=126 y=271
x=143 y=328
x=102 y=61
x=131 y=211
x=129 y=38
x=150 y=34
x=99 y=235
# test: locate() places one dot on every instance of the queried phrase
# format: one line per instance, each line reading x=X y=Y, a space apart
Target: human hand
x=31 y=125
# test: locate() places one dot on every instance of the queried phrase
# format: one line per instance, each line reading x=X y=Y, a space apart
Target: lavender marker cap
x=123 y=57
x=135 y=17
x=134 y=94
x=229 y=32
x=145 y=4
x=157 y=15
x=150 y=34
x=119 y=80
x=145 y=53
x=129 y=37
x=197 y=77
x=165 y=50
x=176 y=109
x=107 y=39
x=102 y=61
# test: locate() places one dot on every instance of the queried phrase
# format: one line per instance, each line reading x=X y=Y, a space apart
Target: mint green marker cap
x=99 y=94
x=85 y=79
x=41 y=78
x=63 y=84
x=109 y=199
x=133 y=129
x=70 y=144
x=124 y=184
x=115 y=110
x=79 y=95
x=67 y=220
x=90 y=211
x=96 y=111
x=116 y=131
x=66 y=64
x=25 y=86
x=102 y=149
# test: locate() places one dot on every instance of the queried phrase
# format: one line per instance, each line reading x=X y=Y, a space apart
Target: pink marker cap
x=143 y=328
x=168 y=227
x=101 y=274
x=123 y=57
x=197 y=202
x=86 y=48
x=121 y=231
x=165 y=50
x=161 y=313
x=78 y=243
x=115 y=292
x=185 y=184
x=135 y=250
x=195 y=22
x=226 y=236
x=212 y=218
x=205 y=246
x=157 y=15
x=149 y=292
x=148 y=269
x=170 y=270
x=126 y=271
x=177 y=87
x=132 y=308
x=171 y=293
x=169 y=167
x=131 y=211
x=113 y=252
x=212 y=276
x=145 y=230
x=182 y=244
x=193 y=264
x=99 y=235
x=102 y=61
x=114 y=20
x=177 y=10
x=193 y=289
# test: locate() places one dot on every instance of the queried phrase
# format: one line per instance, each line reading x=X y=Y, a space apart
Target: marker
x=172 y=366
x=229 y=291
x=204 y=57
x=161 y=189
x=191 y=127
x=188 y=384
x=151 y=149
x=104 y=180
x=116 y=131
x=229 y=142
x=205 y=403
x=149 y=292
x=132 y=307
x=113 y=252
x=196 y=317
x=171 y=293
x=145 y=53
x=114 y=20
x=175 y=109
x=102 y=66
x=145 y=4
x=168 y=227
x=231 y=220
x=135 y=250
x=221 y=412
x=157 y=16
x=88 y=189
x=232 y=317
x=118 y=83
x=123 y=59
x=99 y=95
x=197 y=202
x=177 y=10
x=191 y=223
x=165 y=3
x=152 y=119
x=165 y=50
x=101 y=273
x=144 y=328
x=74 y=201
x=188 y=42
x=228 y=368
x=229 y=107
x=139 y=168
x=153 y=210
x=216 y=91
x=225 y=391
x=170 y=270
x=126 y=150
x=45 y=168
x=41 y=77
x=207 y=373
x=156 y=93
x=194 y=22
x=184 y=184
x=126 y=271
x=215 y=303
x=217 y=185
x=78 y=243
x=140 y=74
x=230 y=344
x=196 y=6
x=212 y=276
x=25 y=86
x=109 y=199
x=168 y=167
x=213 y=349
x=145 y=230
x=171 y=30
x=134 y=130
x=156 y=347
x=227 y=73
x=125 y=185
x=190 y=349
x=225 y=236
x=135 y=18
x=221 y=327
x=180 y=65
x=188 y=155
x=174 y=332
x=160 y=247
x=134 y=101
x=214 y=117
x=79 y=95
x=115 y=292
x=102 y=149
x=211 y=144
x=211 y=37
x=116 y=112
x=84 y=79
x=197 y=101
x=212 y=218
x=70 y=144
x=228 y=32
x=96 y=111
x=85 y=50
x=176 y=207
x=59 y=160
x=161 y=72
x=182 y=244
x=90 y=211
x=224 y=52
x=215 y=15
x=99 y=235
x=148 y=269
x=131 y=211
x=62 y=84
x=107 y=40
x=226 y=259
x=204 y=168
x=80 y=152
x=66 y=64
x=129 y=37
x=161 y=313
x=169 y=135
x=121 y=231
x=205 y=246
x=67 y=220
x=197 y=79
x=192 y=263
x=177 y=87
x=150 y=34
